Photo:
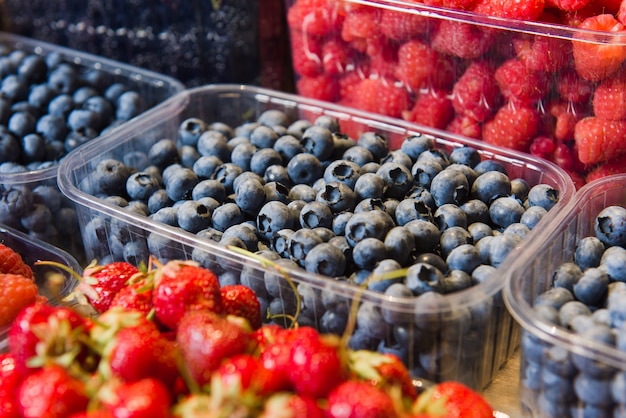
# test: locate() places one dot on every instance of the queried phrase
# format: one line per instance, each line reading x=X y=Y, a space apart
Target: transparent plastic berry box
x=43 y=212
x=567 y=370
x=473 y=69
x=464 y=336
x=53 y=282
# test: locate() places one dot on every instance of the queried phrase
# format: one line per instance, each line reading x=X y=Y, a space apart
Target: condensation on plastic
x=496 y=337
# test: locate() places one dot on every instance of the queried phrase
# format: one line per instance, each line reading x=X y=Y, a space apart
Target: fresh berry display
x=123 y=363
x=53 y=100
x=328 y=217
x=517 y=85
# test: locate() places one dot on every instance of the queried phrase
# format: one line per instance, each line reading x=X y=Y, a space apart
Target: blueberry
x=491 y=185
x=250 y=195
x=226 y=174
x=610 y=226
x=163 y=153
x=479 y=230
x=272 y=217
x=424 y=171
x=570 y=310
x=518 y=229
x=277 y=173
x=543 y=195
x=426 y=235
x=140 y=185
x=489 y=165
x=304 y=168
x=368 y=252
x=398 y=179
x=592 y=390
x=337 y=196
x=300 y=243
x=465 y=257
x=316 y=214
x=214 y=143
x=374 y=224
x=500 y=247
x=298 y=127
x=342 y=171
x=375 y=143
x=613 y=262
x=368 y=318
x=453 y=237
x=554 y=297
x=412 y=209
x=455 y=281
x=399 y=244
x=302 y=192
x=340 y=221
x=476 y=211
x=242 y=155
x=482 y=273
x=209 y=188
x=179 y=183
x=226 y=215
x=275 y=282
x=111 y=176
x=465 y=155
x=422 y=278
x=13 y=88
x=359 y=155
x=449 y=186
x=246 y=233
x=325 y=259
x=532 y=215
x=588 y=252
x=591 y=287
x=262 y=159
x=449 y=215
x=505 y=211
x=188 y=155
x=370 y=204
x=567 y=275
x=263 y=137
x=10 y=149
x=193 y=216
x=136 y=252
x=276 y=191
x=129 y=105
x=287 y=147
x=190 y=129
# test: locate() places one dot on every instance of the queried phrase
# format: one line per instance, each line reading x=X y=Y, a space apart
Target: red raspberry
x=475 y=93
x=565 y=117
x=575 y=18
x=572 y=87
x=384 y=64
x=382 y=96
x=349 y=81
x=306 y=54
x=609 y=100
x=513 y=126
x=614 y=166
x=421 y=66
x=599 y=140
x=336 y=55
x=541 y=53
x=452 y=4
x=314 y=17
x=621 y=14
x=11 y=262
x=402 y=26
x=570 y=5
x=513 y=9
x=321 y=87
x=543 y=147
x=462 y=40
x=432 y=108
x=466 y=126
x=16 y=292
x=360 y=29
x=599 y=60
x=520 y=84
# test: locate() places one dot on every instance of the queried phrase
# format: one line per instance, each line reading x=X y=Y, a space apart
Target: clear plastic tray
x=472 y=354
x=531 y=275
x=154 y=89
x=33 y=250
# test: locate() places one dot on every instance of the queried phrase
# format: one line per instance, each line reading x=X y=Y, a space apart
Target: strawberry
x=513 y=126
x=452 y=399
x=133 y=348
x=101 y=283
x=10 y=379
x=243 y=374
x=359 y=399
x=42 y=333
x=599 y=140
x=241 y=301
x=92 y=414
x=384 y=370
x=596 y=61
x=183 y=286
x=145 y=398
x=316 y=365
x=16 y=292
x=135 y=296
x=206 y=339
x=12 y=262
x=289 y=405
x=51 y=392
x=609 y=99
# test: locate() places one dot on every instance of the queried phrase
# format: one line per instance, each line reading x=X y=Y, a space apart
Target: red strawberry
x=101 y=283
x=596 y=61
x=452 y=399
x=16 y=292
x=146 y=398
x=46 y=333
x=432 y=108
x=513 y=126
x=206 y=339
x=475 y=93
x=134 y=349
x=92 y=414
x=183 y=286
x=241 y=301
x=599 y=140
x=382 y=370
x=244 y=373
x=609 y=99
x=135 y=297
x=51 y=392
x=12 y=263
x=316 y=366
x=290 y=405
x=10 y=379
x=359 y=399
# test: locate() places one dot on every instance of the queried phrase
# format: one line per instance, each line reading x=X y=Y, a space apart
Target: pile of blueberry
x=305 y=195
x=48 y=107
x=588 y=298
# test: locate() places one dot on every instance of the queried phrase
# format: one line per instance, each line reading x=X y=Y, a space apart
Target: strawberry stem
x=61 y=266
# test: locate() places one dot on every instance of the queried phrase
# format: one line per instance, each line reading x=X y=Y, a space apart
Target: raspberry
x=520 y=84
x=621 y=14
x=335 y=57
x=464 y=125
x=401 y=26
x=615 y=166
x=513 y=9
x=543 y=147
x=462 y=40
x=570 y=5
x=597 y=61
x=541 y=53
x=382 y=96
x=452 y=4
x=572 y=87
x=12 y=263
x=321 y=87
x=609 y=100
x=306 y=54
x=313 y=17
x=575 y=18
x=475 y=93
x=384 y=64
x=349 y=81
x=421 y=66
x=565 y=118
x=513 y=126
x=360 y=28
x=432 y=108
x=599 y=140
x=16 y=292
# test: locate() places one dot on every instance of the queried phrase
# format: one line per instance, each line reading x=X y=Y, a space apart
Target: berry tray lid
x=154 y=87
x=531 y=273
x=235 y=104
x=33 y=250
